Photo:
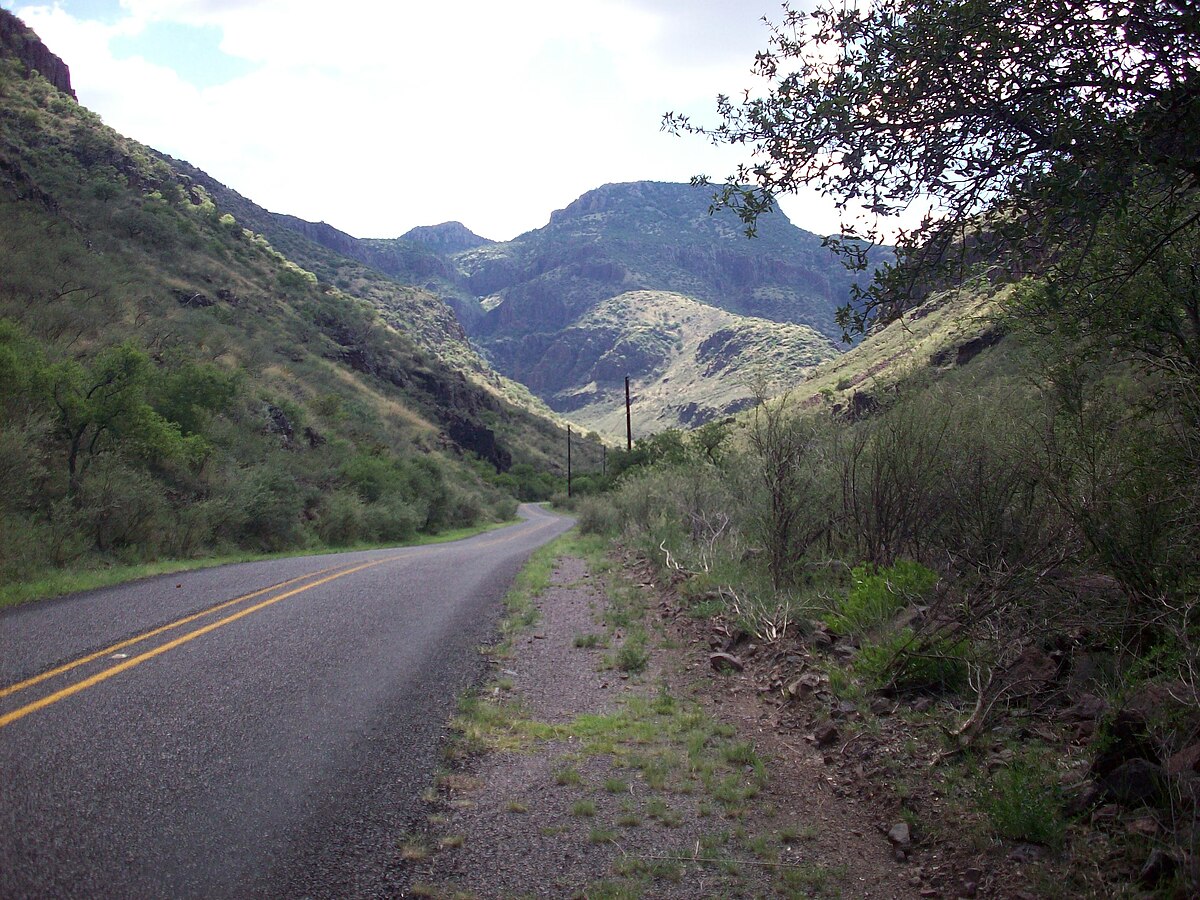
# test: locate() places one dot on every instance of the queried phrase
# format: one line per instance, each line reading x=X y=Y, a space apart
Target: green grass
x=59 y=583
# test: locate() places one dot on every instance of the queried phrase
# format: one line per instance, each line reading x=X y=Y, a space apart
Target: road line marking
x=138 y=638
x=70 y=690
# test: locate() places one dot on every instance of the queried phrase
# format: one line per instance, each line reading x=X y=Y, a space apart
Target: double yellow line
x=335 y=572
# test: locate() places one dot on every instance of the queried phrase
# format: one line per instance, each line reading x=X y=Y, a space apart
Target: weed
x=567 y=776
x=1023 y=804
x=587 y=640
x=615 y=786
x=584 y=808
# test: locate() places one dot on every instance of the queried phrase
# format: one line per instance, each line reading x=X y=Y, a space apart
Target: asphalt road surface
x=256 y=730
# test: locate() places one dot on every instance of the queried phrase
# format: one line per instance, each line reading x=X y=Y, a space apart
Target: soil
x=506 y=824
x=854 y=802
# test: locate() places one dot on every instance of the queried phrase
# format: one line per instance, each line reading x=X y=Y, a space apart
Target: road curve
x=255 y=730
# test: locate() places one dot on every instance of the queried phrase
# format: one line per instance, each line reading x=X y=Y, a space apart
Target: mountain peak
x=448 y=237
x=19 y=41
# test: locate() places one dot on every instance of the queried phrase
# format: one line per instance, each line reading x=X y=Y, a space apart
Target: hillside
x=174 y=384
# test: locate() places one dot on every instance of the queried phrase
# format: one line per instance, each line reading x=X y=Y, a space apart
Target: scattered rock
x=1185 y=761
x=1135 y=782
x=900 y=835
x=881 y=706
x=923 y=704
x=826 y=735
x=1087 y=708
x=1026 y=853
x=722 y=660
x=1159 y=866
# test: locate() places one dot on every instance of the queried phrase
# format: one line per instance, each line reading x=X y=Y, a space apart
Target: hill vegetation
x=984 y=518
x=172 y=385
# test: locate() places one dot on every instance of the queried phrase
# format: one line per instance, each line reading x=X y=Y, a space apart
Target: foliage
x=171 y=386
x=1023 y=803
x=1051 y=115
x=877 y=594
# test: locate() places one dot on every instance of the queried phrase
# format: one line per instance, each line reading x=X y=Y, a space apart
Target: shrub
x=905 y=661
x=392 y=519
x=877 y=594
x=597 y=515
x=1023 y=804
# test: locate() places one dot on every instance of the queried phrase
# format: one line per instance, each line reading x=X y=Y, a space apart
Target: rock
x=1082 y=798
x=1145 y=826
x=723 y=660
x=1159 y=866
x=923 y=704
x=1026 y=853
x=971 y=879
x=1187 y=760
x=827 y=734
x=900 y=835
x=1135 y=782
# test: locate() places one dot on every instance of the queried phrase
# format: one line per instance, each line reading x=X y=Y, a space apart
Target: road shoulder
x=602 y=759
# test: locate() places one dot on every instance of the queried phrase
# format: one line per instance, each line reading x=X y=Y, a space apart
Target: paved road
x=266 y=731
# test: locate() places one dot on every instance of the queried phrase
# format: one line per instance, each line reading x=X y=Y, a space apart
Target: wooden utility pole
x=568 y=460
x=628 y=419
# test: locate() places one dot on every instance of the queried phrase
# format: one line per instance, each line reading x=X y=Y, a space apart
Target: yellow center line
x=137 y=639
x=51 y=699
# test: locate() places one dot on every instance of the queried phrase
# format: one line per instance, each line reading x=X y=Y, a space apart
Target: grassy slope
x=703 y=360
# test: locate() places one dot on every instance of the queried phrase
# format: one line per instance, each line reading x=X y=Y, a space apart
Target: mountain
x=183 y=373
x=557 y=308
x=544 y=295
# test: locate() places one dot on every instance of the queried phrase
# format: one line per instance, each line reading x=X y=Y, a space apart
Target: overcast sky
x=376 y=117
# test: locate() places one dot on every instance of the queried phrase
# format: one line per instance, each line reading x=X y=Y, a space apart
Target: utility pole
x=628 y=419
x=568 y=460
x=604 y=460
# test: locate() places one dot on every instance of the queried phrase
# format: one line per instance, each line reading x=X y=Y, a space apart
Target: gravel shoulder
x=604 y=759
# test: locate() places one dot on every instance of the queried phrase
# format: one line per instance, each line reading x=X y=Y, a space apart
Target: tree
x=1053 y=117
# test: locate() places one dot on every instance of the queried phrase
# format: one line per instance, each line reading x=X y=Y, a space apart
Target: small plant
x=587 y=641
x=633 y=656
x=567 y=776
x=877 y=594
x=1022 y=802
x=584 y=808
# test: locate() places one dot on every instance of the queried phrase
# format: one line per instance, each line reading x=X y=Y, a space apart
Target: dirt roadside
x=604 y=759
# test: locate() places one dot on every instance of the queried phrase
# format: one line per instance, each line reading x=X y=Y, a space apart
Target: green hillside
x=174 y=385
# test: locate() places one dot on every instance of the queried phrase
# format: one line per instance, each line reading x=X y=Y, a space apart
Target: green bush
x=597 y=515
x=1023 y=803
x=392 y=519
x=905 y=661
x=878 y=593
x=340 y=520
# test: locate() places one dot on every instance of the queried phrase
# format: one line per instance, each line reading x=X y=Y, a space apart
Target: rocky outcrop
x=449 y=237
x=19 y=41
x=320 y=233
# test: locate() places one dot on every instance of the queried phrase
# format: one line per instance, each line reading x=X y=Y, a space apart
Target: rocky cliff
x=28 y=48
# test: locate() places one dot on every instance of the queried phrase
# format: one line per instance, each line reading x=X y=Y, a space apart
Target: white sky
x=379 y=116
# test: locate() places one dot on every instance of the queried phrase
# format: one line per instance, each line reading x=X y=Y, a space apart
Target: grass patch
x=584 y=808
x=567 y=777
x=587 y=641
x=62 y=582
x=1023 y=804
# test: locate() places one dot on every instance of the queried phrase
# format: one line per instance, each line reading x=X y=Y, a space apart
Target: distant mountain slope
x=689 y=362
x=610 y=247
x=173 y=383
